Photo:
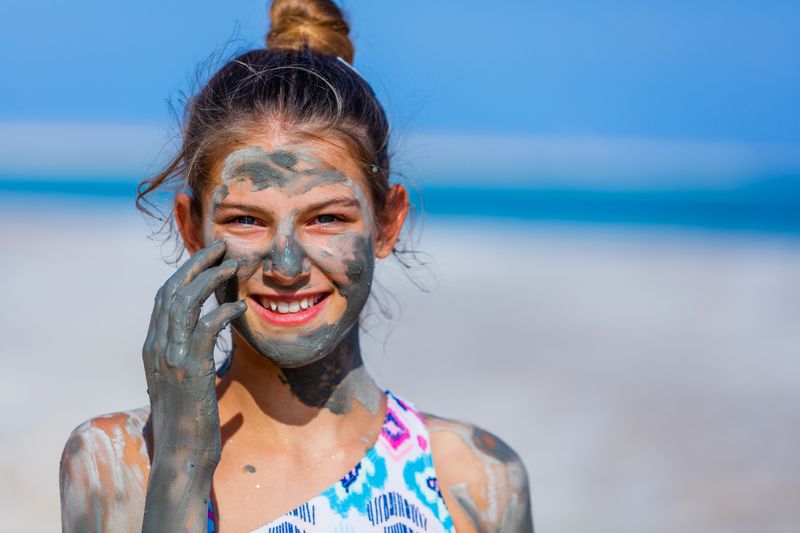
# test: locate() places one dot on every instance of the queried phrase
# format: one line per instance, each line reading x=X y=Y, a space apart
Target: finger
x=208 y=328
x=199 y=262
x=189 y=299
x=156 y=337
x=149 y=343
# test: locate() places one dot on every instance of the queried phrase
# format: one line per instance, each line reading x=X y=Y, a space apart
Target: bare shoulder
x=483 y=481
x=104 y=469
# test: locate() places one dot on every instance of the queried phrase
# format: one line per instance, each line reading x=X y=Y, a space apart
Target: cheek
x=249 y=254
x=346 y=258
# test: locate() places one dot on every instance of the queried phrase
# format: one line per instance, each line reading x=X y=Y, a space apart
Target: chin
x=295 y=349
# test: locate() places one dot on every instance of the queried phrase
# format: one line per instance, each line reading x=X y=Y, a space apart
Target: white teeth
x=292 y=307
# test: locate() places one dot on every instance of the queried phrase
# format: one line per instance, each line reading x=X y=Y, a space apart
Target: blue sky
x=598 y=74
x=722 y=69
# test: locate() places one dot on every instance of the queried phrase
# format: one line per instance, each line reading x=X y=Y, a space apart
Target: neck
x=338 y=384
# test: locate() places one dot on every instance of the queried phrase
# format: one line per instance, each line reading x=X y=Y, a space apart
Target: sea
x=769 y=205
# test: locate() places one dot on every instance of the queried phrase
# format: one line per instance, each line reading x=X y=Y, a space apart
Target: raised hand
x=179 y=365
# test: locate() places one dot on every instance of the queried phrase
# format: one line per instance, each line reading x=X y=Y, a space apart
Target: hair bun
x=316 y=24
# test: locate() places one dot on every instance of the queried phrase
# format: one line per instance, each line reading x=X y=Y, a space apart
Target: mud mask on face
x=347 y=258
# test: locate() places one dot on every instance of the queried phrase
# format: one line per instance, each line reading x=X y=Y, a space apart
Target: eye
x=326 y=219
x=245 y=220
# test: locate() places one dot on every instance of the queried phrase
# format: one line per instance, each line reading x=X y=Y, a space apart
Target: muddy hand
x=178 y=356
x=179 y=363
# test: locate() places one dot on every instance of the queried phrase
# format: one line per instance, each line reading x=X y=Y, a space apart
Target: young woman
x=284 y=205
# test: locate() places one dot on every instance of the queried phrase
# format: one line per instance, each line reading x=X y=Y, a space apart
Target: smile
x=295 y=312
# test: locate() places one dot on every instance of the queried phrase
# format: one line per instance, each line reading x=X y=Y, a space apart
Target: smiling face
x=299 y=221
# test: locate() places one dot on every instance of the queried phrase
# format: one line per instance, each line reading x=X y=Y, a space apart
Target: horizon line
x=48 y=150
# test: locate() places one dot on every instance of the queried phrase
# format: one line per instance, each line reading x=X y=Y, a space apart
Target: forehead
x=291 y=169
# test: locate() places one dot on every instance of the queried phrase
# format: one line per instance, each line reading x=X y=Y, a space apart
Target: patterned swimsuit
x=393 y=489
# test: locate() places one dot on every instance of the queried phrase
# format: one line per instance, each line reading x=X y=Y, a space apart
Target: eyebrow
x=342 y=201
x=231 y=205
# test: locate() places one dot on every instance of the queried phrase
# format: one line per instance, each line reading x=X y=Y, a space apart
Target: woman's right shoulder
x=123 y=435
x=104 y=470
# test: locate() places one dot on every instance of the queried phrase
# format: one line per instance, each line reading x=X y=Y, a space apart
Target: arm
x=483 y=481
x=107 y=482
x=104 y=469
x=178 y=358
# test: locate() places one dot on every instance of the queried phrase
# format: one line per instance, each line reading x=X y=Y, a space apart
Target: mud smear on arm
x=504 y=505
x=103 y=472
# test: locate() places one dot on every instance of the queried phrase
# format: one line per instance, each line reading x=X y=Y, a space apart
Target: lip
x=288 y=319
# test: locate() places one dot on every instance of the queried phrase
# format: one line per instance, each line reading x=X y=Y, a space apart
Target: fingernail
x=230 y=263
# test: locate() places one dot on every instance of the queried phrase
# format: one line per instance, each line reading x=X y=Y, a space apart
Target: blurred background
x=611 y=225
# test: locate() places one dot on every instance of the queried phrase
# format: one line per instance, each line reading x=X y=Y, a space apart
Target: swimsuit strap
x=392 y=489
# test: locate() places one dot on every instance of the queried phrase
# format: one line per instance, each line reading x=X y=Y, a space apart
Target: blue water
x=770 y=206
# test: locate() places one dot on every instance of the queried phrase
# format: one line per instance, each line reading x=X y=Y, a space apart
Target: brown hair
x=301 y=84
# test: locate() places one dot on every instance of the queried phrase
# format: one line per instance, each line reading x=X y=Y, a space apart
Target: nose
x=287 y=262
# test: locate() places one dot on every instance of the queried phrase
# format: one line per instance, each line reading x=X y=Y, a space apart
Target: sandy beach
x=648 y=378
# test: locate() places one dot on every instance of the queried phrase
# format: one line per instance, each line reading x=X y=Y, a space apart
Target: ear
x=191 y=230
x=394 y=214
